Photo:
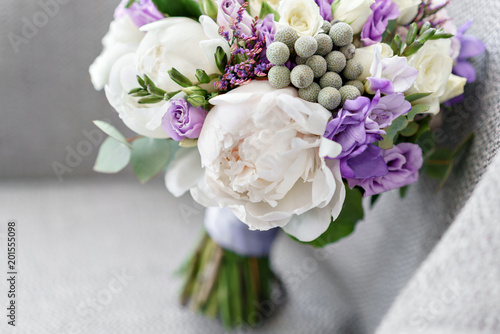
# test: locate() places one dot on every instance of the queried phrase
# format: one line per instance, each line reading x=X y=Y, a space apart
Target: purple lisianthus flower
x=390 y=75
x=388 y=108
x=363 y=163
x=141 y=13
x=182 y=120
x=352 y=127
x=382 y=12
x=469 y=47
x=403 y=162
x=325 y=9
x=228 y=12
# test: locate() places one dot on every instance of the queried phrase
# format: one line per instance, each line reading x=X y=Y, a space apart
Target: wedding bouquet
x=278 y=114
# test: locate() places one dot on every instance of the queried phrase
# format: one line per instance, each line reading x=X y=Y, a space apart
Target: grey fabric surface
x=46 y=95
x=75 y=235
x=457 y=289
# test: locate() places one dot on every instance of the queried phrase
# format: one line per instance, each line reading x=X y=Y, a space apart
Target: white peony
x=256 y=5
x=434 y=66
x=171 y=42
x=302 y=15
x=123 y=37
x=408 y=9
x=263 y=152
x=366 y=55
x=354 y=12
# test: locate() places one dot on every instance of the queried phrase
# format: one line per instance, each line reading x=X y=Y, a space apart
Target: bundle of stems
x=222 y=284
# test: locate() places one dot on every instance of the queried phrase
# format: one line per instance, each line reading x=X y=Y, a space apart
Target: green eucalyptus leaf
x=416 y=96
x=266 y=9
x=426 y=142
x=179 y=78
x=410 y=130
x=403 y=191
x=111 y=131
x=374 y=199
x=439 y=163
x=183 y=8
x=417 y=109
x=397 y=125
x=344 y=225
x=113 y=156
x=149 y=156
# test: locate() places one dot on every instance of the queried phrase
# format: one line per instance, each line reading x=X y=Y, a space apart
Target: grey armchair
x=96 y=254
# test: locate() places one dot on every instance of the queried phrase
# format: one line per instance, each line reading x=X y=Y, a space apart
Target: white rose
x=173 y=42
x=263 y=152
x=454 y=87
x=256 y=6
x=434 y=66
x=354 y=12
x=302 y=15
x=366 y=55
x=408 y=9
x=123 y=37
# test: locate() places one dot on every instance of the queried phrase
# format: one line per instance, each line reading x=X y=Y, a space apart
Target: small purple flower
x=352 y=127
x=389 y=108
x=363 y=163
x=141 y=13
x=403 y=162
x=383 y=12
x=470 y=47
x=182 y=120
x=325 y=9
x=228 y=13
x=267 y=29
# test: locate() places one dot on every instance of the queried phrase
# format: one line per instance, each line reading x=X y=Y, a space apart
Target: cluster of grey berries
x=326 y=71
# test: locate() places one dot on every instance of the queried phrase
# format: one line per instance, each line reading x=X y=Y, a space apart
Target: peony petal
x=184 y=172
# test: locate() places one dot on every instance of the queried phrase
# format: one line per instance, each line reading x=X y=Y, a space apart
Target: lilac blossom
x=470 y=47
x=325 y=9
x=363 y=163
x=182 y=120
x=228 y=13
x=383 y=12
x=403 y=162
x=352 y=127
x=390 y=75
x=141 y=13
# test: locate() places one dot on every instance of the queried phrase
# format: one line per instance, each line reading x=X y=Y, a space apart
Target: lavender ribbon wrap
x=231 y=234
